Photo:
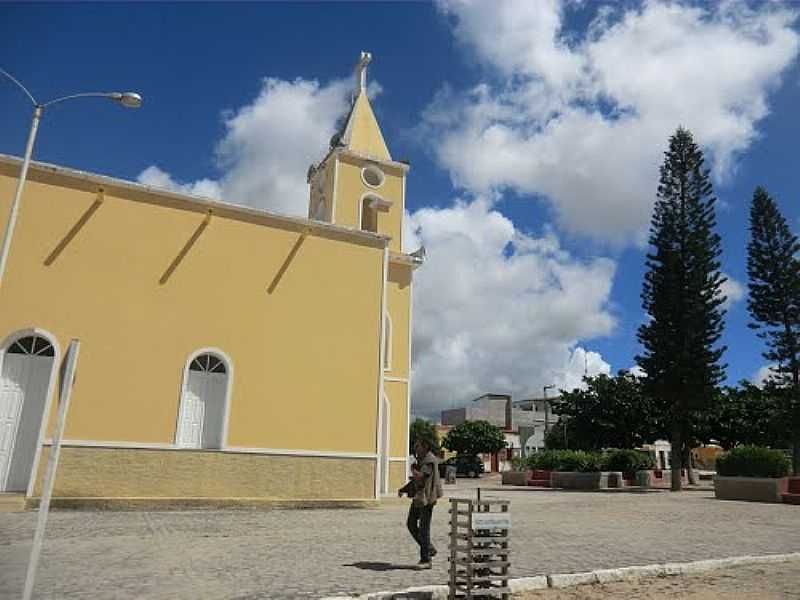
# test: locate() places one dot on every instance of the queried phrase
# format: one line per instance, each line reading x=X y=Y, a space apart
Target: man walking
x=428 y=489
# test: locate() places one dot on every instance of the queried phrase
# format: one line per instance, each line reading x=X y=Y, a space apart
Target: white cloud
x=637 y=371
x=732 y=290
x=583 y=121
x=581 y=362
x=155 y=177
x=763 y=374
x=497 y=310
x=269 y=144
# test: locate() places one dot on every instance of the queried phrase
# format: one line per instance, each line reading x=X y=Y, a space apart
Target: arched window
x=387 y=343
x=207 y=363
x=371 y=204
x=27 y=369
x=204 y=402
x=369 y=215
x=33 y=345
x=321 y=210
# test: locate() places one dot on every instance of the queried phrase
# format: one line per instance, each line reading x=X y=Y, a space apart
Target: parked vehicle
x=467 y=466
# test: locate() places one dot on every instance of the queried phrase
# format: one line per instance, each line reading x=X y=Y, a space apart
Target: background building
x=538 y=420
x=498 y=410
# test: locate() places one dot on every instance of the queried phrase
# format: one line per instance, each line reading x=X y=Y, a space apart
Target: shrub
x=628 y=461
x=518 y=463
x=566 y=460
x=753 y=461
x=545 y=460
x=580 y=461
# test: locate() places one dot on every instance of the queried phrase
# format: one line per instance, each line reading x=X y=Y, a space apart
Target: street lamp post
x=547 y=408
x=126 y=99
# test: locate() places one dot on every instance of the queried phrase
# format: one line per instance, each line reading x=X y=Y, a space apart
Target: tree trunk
x=690 y=472
x=677 y=458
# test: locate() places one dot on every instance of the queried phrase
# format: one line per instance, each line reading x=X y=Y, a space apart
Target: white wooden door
x=11 y=397
x=215 y=387
x=23 y=384
x=190 y=429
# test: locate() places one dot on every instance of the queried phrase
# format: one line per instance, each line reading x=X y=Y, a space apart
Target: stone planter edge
x=752 y=489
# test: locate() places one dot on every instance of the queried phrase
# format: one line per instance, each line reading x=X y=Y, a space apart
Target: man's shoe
x=423 y=565
x=433 y=552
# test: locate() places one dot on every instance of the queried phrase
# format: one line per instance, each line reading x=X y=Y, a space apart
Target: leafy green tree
x=475 y=437
x=562 y=435
x=422 y=429
x=747 y=415
x=773 y=270
x=682 y=295
x=611 y=412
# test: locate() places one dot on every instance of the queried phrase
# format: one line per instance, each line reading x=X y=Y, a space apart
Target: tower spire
x=361 y=72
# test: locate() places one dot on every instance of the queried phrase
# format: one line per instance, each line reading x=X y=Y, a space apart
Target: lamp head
x=127 y=99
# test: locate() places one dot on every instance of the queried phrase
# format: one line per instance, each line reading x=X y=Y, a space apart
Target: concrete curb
x=562 y=580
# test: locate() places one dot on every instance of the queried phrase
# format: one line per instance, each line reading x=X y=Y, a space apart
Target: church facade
x=227 y=354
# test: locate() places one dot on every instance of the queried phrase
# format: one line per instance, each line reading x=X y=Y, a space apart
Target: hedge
x=566 y=460
x=753 y=461
x=587 y=462
x=628 y=461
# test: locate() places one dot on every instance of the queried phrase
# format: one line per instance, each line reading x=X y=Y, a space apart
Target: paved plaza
x=248 y=554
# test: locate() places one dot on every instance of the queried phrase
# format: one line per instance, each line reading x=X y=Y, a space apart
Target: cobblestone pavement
x=245 y=554
x=756 y=582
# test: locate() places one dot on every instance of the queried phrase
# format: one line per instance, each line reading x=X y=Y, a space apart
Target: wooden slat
x=482 y=539
x=463 y=576
x=489 y=564
x=481 y=551
x=480 y=592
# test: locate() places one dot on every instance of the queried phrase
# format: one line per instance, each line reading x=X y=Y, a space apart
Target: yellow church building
x=228 y=354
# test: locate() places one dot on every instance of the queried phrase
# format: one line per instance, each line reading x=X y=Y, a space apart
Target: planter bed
x=515 y=477
x=753 y=489
x=580 y=481
x=540 y=478
x=793 y=495
x=616 y=479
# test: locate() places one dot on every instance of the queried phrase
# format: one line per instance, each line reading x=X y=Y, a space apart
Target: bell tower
x=358 y=184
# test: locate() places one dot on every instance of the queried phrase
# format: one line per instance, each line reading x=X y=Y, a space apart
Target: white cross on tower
x=361 y=72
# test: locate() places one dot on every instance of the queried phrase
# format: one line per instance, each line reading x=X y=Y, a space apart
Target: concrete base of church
x=179 y=477
x=160 y=504
x=398 y=476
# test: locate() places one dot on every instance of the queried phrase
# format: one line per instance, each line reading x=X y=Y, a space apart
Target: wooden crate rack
x=479 y=550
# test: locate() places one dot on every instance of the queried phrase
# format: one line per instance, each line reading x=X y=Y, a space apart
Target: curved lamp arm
x=128 y=99
x=20 y=86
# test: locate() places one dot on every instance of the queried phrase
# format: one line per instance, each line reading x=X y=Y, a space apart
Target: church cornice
x=90 y=182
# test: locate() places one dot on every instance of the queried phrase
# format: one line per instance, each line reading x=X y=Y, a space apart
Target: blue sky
x=534 y=131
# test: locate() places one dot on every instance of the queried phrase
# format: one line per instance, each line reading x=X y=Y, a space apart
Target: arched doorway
x=27 y=366
x=203 y=408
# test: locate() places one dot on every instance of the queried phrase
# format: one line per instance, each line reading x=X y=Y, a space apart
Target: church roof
x=362 y=133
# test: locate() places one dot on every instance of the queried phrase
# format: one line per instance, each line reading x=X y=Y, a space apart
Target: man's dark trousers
x=419 y=525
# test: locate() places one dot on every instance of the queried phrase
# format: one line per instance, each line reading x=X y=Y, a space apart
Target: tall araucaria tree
x=682 y=295
x=773 y=269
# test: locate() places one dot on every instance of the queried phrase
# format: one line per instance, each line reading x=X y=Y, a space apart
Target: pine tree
x=681 y=294
x=774 y=303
